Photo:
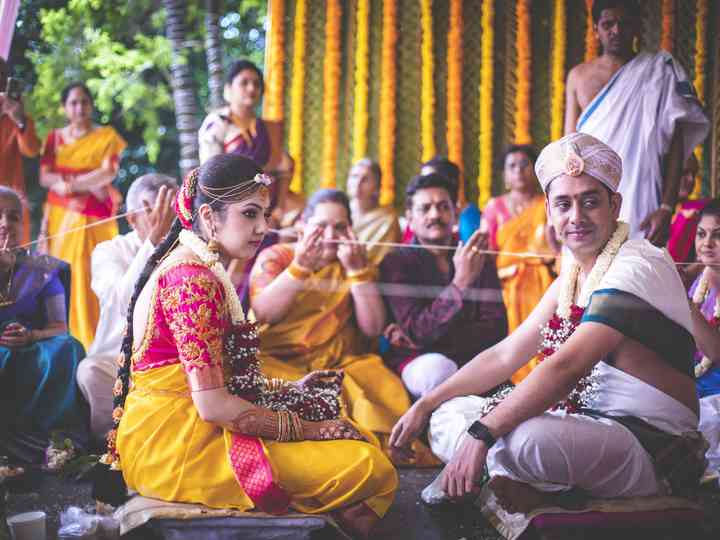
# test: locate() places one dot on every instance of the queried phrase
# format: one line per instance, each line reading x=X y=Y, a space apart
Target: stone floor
x=408 y=517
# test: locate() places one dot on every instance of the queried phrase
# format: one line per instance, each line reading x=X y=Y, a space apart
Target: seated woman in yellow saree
x=78 y=166
x=196 y=421
x=515 y=223
x=318 y=304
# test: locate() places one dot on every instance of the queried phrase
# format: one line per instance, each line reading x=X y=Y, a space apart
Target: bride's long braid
x=220 y=172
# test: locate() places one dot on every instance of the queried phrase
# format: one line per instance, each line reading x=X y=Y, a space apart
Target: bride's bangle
x=297 y=272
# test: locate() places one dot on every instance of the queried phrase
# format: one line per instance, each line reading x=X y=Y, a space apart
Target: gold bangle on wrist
x=356 y=273
x=297 y=272
x=358 y=277
x=274 y=384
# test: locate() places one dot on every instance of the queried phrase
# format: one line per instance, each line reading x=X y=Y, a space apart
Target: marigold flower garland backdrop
x=275 y=63
x=388 y=89
x=455 y=91
x=331 y=83
x=413 y=78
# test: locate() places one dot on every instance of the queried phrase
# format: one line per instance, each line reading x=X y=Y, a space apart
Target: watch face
x=480 y=431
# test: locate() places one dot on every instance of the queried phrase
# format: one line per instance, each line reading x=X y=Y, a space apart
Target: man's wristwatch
x=480 y=431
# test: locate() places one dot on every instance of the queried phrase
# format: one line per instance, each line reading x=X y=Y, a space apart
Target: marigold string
x=454 y=92
x=699 y=82
x=331 y=89
x=388 y=91
x=297 y=95
x=275 y=67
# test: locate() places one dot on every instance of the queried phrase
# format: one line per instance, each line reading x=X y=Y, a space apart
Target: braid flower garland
x=699 y=297
x=427 y=91
x=388 y=91
x=185 y=197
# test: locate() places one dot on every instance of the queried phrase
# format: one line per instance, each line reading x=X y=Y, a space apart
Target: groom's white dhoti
x=636 y=114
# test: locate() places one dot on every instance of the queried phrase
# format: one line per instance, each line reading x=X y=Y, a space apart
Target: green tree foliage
x=120 y=51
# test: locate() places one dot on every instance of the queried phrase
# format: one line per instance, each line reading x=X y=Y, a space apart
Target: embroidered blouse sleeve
x=193 y=303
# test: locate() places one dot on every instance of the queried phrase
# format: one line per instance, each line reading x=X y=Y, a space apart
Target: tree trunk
x=213 y=51
x=186 y=108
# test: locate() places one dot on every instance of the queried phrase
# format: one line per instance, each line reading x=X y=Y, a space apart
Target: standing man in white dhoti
x=116 y=266
x=642 y=106
x=617 y=346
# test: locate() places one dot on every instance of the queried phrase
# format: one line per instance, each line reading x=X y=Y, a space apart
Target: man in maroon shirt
x=447 y=303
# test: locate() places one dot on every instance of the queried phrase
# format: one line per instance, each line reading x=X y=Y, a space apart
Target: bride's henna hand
x=331 y=430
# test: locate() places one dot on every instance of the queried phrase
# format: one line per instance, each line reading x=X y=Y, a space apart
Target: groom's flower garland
x=564 y=322
x=569 y=314
x=243 y=377
x=699 y=299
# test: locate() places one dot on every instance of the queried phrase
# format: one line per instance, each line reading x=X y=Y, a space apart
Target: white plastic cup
x=27 y=526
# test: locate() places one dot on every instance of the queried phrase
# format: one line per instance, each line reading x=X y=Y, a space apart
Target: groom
x=614 y=390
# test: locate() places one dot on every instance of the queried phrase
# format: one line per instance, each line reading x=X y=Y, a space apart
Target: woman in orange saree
x=196 y=421
x=515 y=223
x=78 y=166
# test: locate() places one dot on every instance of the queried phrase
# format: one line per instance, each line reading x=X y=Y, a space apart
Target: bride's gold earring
x=213 y=245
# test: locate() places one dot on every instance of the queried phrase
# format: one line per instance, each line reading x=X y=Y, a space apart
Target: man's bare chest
x=588 y=89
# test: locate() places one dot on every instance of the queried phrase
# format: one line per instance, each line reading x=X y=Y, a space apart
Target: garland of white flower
x=604 y=260
x=193 y=242
x=699 y=299
x=559 y=329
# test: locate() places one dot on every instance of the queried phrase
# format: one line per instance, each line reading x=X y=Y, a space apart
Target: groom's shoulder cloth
x=639 y=259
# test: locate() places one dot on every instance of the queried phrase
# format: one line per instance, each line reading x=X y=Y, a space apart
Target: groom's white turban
x=576 y=154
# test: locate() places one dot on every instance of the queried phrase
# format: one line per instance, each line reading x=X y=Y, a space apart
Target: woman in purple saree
x=38 y=359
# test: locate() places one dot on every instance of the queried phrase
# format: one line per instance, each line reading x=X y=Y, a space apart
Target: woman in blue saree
x=38 y=359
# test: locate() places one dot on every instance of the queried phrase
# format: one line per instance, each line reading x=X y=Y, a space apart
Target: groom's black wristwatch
x=480 y=431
